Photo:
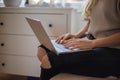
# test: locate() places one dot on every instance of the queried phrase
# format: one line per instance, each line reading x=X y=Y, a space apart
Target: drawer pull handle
x=1 y=23
x=50 y=25
x=3 y=64
x=2 y=44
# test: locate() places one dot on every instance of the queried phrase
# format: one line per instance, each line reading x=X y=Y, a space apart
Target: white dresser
x=18 y=44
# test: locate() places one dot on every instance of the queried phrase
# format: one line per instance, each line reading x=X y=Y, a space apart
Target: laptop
x=44 y=39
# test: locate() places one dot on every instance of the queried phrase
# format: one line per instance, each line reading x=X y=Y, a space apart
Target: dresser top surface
x=35 y=10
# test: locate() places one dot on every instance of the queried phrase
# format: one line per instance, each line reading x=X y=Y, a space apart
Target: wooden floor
x=11 y=77
x=16 y=77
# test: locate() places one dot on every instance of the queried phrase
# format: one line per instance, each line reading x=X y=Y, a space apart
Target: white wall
x=79 y=22
x=79 y=7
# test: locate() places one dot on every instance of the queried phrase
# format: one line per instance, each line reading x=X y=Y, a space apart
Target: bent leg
x=49 y=72
x=100 y=62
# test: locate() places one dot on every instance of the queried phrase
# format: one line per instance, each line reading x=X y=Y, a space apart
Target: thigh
x=100 y=55
x=99 y=61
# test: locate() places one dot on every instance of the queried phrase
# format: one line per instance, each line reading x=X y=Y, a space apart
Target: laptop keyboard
x=60 y=46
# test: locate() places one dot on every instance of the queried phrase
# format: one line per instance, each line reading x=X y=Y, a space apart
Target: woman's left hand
x=78 y=43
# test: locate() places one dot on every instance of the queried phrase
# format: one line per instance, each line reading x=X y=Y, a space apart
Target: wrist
x=93 y=43
x=80 y=35
x=76 y=36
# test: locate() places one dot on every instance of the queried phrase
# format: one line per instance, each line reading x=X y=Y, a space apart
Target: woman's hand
x=64 y=37
x=78 y=43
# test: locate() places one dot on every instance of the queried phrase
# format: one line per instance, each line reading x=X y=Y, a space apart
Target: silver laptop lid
x=39 y=31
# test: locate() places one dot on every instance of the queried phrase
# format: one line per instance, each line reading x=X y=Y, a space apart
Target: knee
x=43 y=57
x=40 y=51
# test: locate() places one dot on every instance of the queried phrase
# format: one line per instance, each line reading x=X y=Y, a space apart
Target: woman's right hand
x=64 y=37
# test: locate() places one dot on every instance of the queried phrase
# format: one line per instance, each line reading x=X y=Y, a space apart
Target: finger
x=69 y=44
x=68 y=40
x=58 y=40
x=75 y=47
x=73 y=43
x=64 y=38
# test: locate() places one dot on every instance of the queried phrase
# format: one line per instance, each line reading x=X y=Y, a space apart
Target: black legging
x=98 y=62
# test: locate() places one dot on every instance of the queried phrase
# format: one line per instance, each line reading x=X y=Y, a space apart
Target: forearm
x=113 y=40
x=84 y=30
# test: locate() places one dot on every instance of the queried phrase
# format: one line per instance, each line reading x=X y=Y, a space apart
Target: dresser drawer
x=20 y=65
x=18 y=45
x=54 y=24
